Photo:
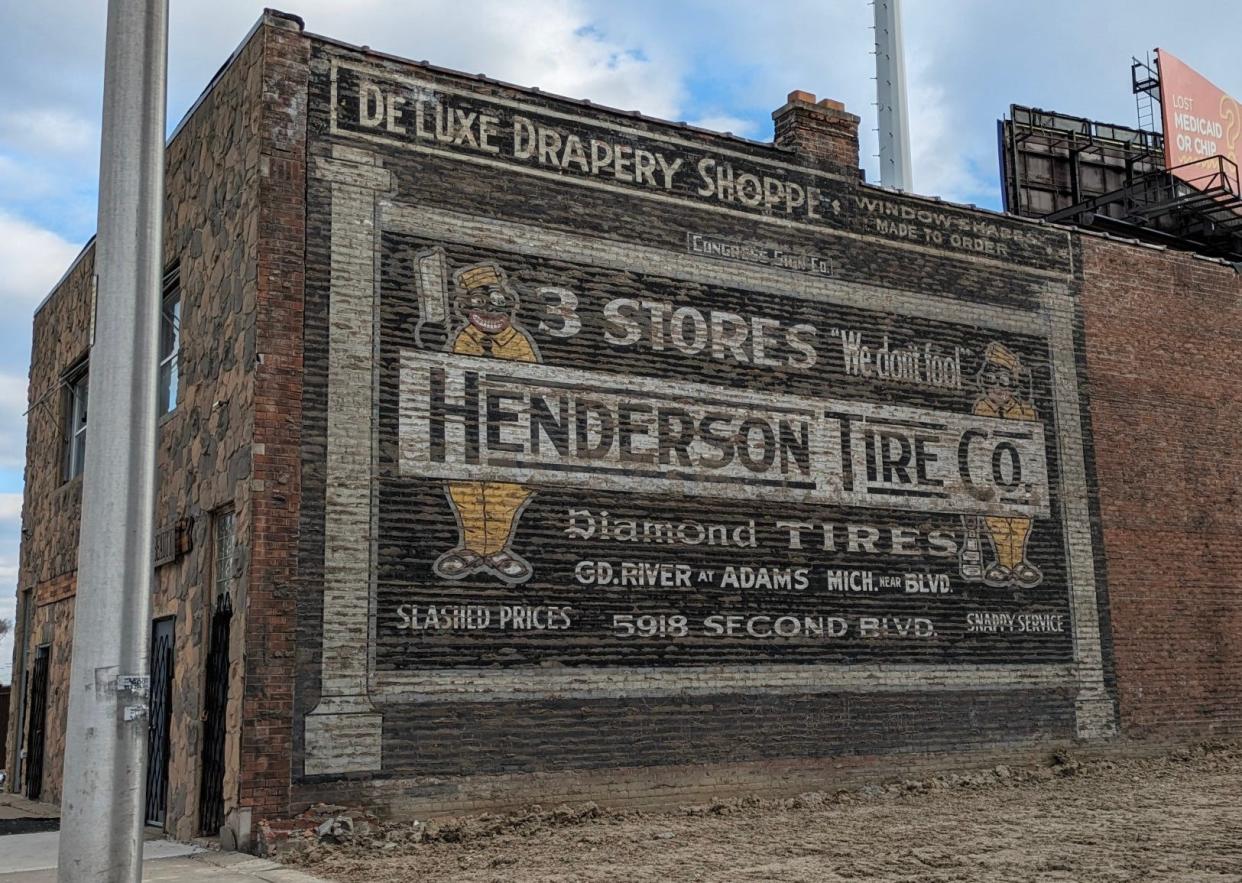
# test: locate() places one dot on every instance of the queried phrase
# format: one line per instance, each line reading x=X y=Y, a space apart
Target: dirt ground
x=1171 y=818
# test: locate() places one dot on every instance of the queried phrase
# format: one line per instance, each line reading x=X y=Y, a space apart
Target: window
x=75 y=422
x=170 y=340
x=225 y=544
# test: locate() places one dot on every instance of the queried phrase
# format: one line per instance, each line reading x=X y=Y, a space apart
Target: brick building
x=522 y=449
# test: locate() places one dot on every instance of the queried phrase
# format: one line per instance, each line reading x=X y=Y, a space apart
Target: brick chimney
x=820 y=133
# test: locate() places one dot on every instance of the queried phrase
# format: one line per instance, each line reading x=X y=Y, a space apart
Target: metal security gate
x=37 y=734
x=215 y=704
x=159 y=719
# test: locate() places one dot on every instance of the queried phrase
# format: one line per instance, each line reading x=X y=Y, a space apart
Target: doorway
x=36 y=735
x=215 y=705
x=159 y=719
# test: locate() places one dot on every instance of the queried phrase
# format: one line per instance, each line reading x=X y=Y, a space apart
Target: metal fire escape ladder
x=1145 y=83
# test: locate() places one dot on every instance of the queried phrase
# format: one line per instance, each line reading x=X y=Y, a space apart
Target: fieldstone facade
x=50 y=512
x=575 y=454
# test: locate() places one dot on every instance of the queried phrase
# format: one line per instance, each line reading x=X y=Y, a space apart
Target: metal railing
x=1208 y=188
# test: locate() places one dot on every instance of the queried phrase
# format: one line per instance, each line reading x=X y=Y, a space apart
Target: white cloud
x=551 y=44
x=10 y=508
x=12 y=423
x=33 y=259
x=22 y=181
x=8 y=609
x=49 y=129
x=941 y=161
x=725 y=123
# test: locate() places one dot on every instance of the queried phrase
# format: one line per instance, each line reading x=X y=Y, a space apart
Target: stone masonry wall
x=53 y=626
x=50 y=512
x=211 y=230
x=1163 y=344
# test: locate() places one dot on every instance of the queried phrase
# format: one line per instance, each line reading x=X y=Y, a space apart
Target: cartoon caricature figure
x=487 y=511
x=999 y=379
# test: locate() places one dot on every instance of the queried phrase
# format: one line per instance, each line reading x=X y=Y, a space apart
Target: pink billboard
x=1201 y=122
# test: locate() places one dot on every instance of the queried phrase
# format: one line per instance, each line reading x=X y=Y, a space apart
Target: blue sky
x=724 y=64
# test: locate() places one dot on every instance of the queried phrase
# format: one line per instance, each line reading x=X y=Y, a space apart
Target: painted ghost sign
x=619 y=415
x=680 y=472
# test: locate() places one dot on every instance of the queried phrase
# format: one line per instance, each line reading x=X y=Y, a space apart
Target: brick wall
x=276 y=495
x=1163 y=339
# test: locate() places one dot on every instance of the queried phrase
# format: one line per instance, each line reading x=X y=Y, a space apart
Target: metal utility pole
x=890 y=87
x=102 y=809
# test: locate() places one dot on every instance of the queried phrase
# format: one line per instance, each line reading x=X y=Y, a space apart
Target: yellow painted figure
x=999 y=380
x=487 y=511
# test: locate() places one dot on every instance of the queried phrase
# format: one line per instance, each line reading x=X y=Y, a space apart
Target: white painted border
x=1096 y=713
x=1053 y=319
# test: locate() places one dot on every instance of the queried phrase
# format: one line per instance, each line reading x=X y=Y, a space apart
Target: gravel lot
x=1170 y=818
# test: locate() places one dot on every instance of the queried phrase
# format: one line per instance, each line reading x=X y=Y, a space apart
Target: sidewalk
x=31 y=858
